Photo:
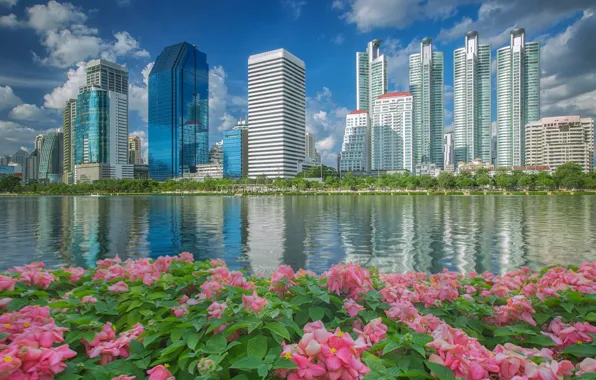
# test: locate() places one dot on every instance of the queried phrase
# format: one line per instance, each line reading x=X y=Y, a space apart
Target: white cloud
x=8 y=98
x=69 y=90
x=339 y=39
x=8 y=3
x=221 y=102
x=14 y=136
x=294 y=6
x=54 y=15
x=125 y=44
x=138 y=96
x=10 y=21
x=337 y=4
x=31 y=112
x=65 y=48
x=398 y=61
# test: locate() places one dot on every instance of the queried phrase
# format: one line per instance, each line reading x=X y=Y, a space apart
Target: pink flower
x=306 y=369
x=564 y=334
x=186 y=256
x=254 y=302
x=124 y=377
x=217 y=263
x=89 y=299
x=374 y=332
x=7 y=283
x=210 y=289
x=352 y=307
x=9 y=361
x=588 y=365
x=160 y=373
x=517 y=308
x=4 y=303
x=179 y=311
x=106 y=263
x=75 y=273
x=349 y=279
x=282 y=279
x=119 y=287
x=216 y=310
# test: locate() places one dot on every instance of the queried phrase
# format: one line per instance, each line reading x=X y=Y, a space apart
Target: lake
x=396 y=233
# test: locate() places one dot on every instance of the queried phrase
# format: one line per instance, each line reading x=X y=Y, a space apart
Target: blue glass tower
x=178 y=112
x=235 y=152
x=92 y=128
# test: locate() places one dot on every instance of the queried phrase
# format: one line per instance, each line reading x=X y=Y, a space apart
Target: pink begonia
x=9 y=362
x=119 y=287
x=37 y=277
x=179 y=311
x=282 y=279
x=89 y=299
x=36 y=265
x=160 y=372
x=518 y=308
x=109 y=347
x=4 y=303
x=588 y=365
x=352 y=307
x=232 y=278
x=349 y=279
x=7 y=283
x=75 y=273
x=374 y=332
x=254 y=302
x=216 y=310
x=306 y=369
x=106 y=263
x=124 y=377
x=217 y=263
x=210 y=289
x=564 y=334
x=186 y=257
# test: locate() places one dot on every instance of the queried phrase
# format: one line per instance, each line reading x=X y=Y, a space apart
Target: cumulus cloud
x=221 y=102
x=138 y=96
x=294 y=7
x=9 y=21
x=398 y=61
x=31 y=112
x=14 y=136
x=8 y=98
x=69 y=90
x=8 y=3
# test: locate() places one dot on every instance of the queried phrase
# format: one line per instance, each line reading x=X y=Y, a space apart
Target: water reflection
x=393 y=233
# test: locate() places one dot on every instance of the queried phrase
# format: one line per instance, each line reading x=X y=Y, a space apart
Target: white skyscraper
x=371 y=76
x=518 y=96
x=448 y=151
x=276 y=114
x=355 y=150
x=472 y=100
x=392 y=140
x=426 y=87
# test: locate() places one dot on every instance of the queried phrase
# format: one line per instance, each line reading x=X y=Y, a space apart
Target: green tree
x=504 y=180
x=545 y=181
x=569 y=175
x=446 y=180
x=465 y=180
x=427 y=182
x=10 y=184
x=527 y=181
x=482 y=177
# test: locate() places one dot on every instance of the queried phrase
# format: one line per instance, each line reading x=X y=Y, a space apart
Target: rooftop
x=357 y=112
x=394 y=94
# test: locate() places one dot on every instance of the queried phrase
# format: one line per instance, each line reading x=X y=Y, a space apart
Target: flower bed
x=174 y=318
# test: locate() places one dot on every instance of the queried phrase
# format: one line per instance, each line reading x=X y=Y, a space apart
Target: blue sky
x=44 y=44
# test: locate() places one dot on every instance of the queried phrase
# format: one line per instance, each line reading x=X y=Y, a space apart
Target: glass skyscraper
x=178 y=112
x=472 y=100
x=92 y=127
x=50 y=163
x=235 y=151
x=426 y=87
x=371 y=76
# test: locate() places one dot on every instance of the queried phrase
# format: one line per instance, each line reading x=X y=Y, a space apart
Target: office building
x=68 y=124
x=38 y=142
x=392 y=136
x=426 y=87
x=178 y=112
x=276 y=114
x=310 y=153
x=91 y=172
x=216 y=153
x=32 y=168
x=134 y=150
x=50 y=158
x=448 y=152
x=355 y=150
x=20 y=157
x=518 y=96
x=472 y=100
x=371 y=76
x=235 y=151
x=553 y=141
x=4 y=160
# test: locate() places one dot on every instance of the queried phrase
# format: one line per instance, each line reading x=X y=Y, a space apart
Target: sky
x=45 y=46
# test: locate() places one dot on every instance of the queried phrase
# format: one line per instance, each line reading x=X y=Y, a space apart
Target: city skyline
x=330 y=81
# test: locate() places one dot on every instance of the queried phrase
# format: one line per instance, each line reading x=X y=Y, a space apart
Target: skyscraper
x=134 y=150
x=518 y=96
x=355 y=150
x=235 y=151
x=276 y=114
x=68 y=124
x=178 y=112
x=50 y=161
x=472 y=100
x=426 y=87
x=20 y=157
x=309 y=147
x=371 y=76
x=392 y=140
x=448 y=151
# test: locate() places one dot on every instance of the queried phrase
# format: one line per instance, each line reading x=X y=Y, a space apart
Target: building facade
x=553 y=141
x=216 y=153
x=472 y=101
x=355 y=149
x=392 y=135
x=68 y=129
x=20 y=157
x=235 y=151
x=134 y=150
x=518 y=96
x=276 y=114
x=310 y=152
x=426 y=87
x=91 y=172
x=178 y=112
x=32 y=168
x=50 y=158
x=448 y=152
x=371 y=76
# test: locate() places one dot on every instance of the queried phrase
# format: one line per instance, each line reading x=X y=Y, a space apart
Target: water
x=394 y=233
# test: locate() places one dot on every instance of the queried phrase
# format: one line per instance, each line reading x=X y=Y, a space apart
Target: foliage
x=199 y=320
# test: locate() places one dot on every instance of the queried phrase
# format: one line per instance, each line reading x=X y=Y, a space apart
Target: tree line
x=569 y=176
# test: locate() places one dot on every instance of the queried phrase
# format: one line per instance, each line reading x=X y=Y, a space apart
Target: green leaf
x=316 y=313
x=247 y=363
x=283 y=363
x=581 y=350
x=177 y=334
x=587 y=376
x=89 y=336
x=192 y=341
x=253 y=325
x=150 y=339
x=59 y=304
x=263 y=370
x=216 y=344
x=323 y=297
x=297 y=290
x=440 y=371
x=300 y=300
x=540 y=340
x=278 y=329
x=257 y=347
x=391 y=346
x=17 y=304
x=567 y=306
x=590 y=317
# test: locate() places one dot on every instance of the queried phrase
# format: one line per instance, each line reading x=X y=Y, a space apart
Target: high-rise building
x=178 y=112
x=472 y=100
x=50 y=158
x=235 y=151
x=216 y=153
x=309 y=147
x=134 y=150
x=108 y=76
x=518 y=96
x=38 y=142
x=553 y=141
x=371 y=76
x=4 y=160
x=68 y=124
x=20 y=157
x=276 y=114
x=392 y=140
x=426 y=87
x=448 y=151
x=355 y=150
x=32 y=171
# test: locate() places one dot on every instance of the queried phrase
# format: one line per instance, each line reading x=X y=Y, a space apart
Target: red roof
x=357 y=112
x=394 y=94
